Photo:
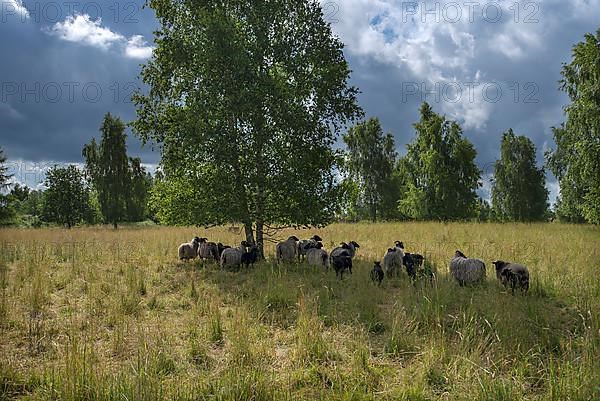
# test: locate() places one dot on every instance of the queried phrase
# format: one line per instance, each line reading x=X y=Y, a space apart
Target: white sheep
x=208 y=250
x=232 y=257
x=304 y=245
x=467 y=270
x=189 y=250
x=317 y=256
x=286 y=251
x=392 y=261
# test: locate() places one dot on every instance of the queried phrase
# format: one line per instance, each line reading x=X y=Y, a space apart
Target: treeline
x=438 y=178
x=113 y=188
x=247 y=127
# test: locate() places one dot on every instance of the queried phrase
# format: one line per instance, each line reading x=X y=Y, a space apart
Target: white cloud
x=138 y=48
x=13 y=7
x=81 y=29
x=447 y=42
x=427 y=49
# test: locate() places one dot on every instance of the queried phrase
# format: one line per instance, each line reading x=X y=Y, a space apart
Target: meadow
x=97 y=314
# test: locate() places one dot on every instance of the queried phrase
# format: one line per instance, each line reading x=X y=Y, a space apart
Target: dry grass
x=96 y=314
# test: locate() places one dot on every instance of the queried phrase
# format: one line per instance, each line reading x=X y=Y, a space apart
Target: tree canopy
x=119 y=181
x=519 y=187
x=439 y=173
x=245 y=101
x=576 y=160
x=66 y=199
x=370 y=161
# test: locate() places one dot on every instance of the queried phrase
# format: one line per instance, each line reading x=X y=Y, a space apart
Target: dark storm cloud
x=55 y=92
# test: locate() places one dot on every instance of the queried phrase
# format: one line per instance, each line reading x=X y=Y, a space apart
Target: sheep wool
x=317 y=257
x=377 y=273
x=189 y=250
x=467 y=270
x=208 y=250
x=392 y=261
x=512 y=275
x=350 y=248
x=232 y=257
x=340 y=262
x=305 y=245
x=286 y=250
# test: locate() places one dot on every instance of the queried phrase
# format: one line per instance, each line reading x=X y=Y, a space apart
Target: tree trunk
x=260 y=222
x=115 y=225
x=374 y=213
x=249 y=234
x=260 y=243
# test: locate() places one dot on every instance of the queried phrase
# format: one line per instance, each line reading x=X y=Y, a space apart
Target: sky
x=490 y=65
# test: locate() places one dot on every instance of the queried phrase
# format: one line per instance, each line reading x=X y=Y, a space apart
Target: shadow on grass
x=469 y=317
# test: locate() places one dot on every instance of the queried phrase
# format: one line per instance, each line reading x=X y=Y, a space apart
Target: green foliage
x=120 y=182
x=245 y=101
x=576 y=160
x=484 y=211
x=518 y=192
x=141 y=183
x=29 y=206
x=7 y=210
x=20 y=192
x=370 y=162
x=66 y=201
x=439 y=173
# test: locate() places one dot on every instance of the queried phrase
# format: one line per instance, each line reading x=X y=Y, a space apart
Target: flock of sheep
x=466 y=271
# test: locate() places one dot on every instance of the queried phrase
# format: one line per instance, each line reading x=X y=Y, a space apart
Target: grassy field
x=96 y=314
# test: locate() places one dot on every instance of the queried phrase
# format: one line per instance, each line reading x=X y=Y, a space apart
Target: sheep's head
x=197 y=240
x=203 y=240
x=500 y=264
x=319 y=245
x=316 y=238
x=459 y=254
x=377 y=264
x=344 y=245
x=244 y=243
x=293 y=238
x=391 y=250
x=355 y=244
x=399 y=244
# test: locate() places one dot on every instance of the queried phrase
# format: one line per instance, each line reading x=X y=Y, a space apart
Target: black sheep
x=512 y=275
x=341 y=262
x=414 y=266
x=249 y=258
x=409 y=263
x=221 y=248
x=377 y=273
